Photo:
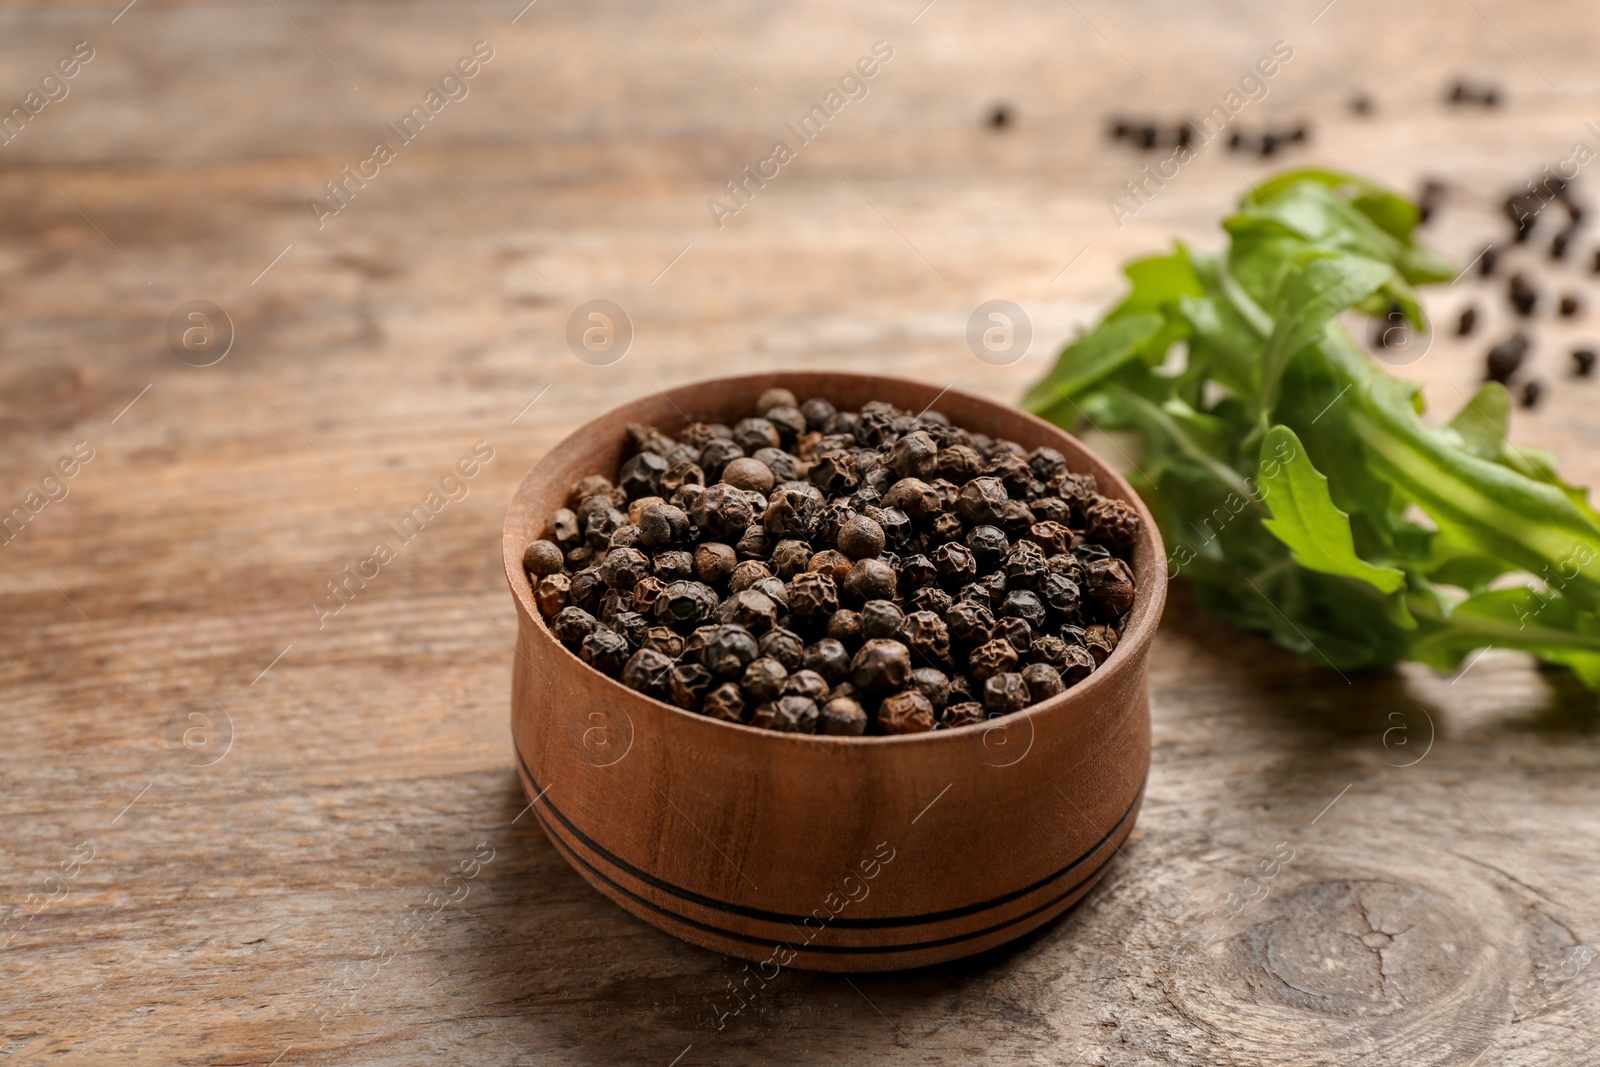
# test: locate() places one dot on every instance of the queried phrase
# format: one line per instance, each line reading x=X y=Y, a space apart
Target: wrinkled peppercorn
x=813 y=596
x=829 y=659
x=989 y=547
x=956 y=563
x=764 y=678
x=1043 y=681
x=664 y=640
x=1101 y=641
x=728 y=649
x=751 y=609
x=1078 y=663
x=722 y=512
x=933 y=684
x=790 y=558
x=673 y=566
x=605 y=650
x=927 y=635
x=1113 y=522
x=688 y=684
x=571 y=625
x=881 y=666
x=662 y=525
x=834 y=564
x=1005 y=693
x=684 y=605
x=649 y=672
x=725 y=702
x=909 y=712
x=969 y=624
x=1016 y=632
x=1109 y=585
x=713 y=562
x=880 y=618
x=982 y=501
x=930 y=598
x=783 y=645
x=551 y=594
x=992 y=658
x=965 y=713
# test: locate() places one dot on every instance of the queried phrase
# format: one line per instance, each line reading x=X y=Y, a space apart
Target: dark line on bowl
x=860 y=950
x=779 y=917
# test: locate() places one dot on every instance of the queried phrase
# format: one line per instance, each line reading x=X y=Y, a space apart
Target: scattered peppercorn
x=1569 y=306
x=1582 y=362
x=843 y=572
x=1506 y=358
x=1531 y=393
x=1467 y=322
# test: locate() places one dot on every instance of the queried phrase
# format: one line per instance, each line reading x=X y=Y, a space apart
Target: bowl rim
x=1143 y=618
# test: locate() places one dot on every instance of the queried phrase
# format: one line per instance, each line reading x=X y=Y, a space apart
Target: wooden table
x=231 y=888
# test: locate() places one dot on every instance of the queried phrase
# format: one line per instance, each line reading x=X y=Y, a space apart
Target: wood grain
x=256 y=909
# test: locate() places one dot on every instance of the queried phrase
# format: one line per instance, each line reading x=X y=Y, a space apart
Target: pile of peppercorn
x=838 y=572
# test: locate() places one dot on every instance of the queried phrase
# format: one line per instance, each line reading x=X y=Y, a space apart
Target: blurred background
x=347 y=354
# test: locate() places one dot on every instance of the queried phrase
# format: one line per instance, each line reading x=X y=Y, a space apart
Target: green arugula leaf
x=1304 y=518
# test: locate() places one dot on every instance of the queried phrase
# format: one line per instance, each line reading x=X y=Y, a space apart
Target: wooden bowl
x=827 y=853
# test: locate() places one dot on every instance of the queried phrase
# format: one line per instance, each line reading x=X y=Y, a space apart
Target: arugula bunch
x=1294 y=482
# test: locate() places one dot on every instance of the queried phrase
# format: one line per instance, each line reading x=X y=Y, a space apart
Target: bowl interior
x=601 y=445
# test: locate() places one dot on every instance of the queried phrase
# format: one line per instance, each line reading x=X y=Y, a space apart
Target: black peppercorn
x=1023 y=604
x=829 y=659
x=969 y=624
x=1049 y=649
x=989 y=546
x=927 y=635
x=869 y=579
x=965 y=713
x=631 y=625
x=605 y=650
x=688 y=684
x=1110 y=587
x=664 y=640
x=909 y=712
x=588 y=487
x=790 y=714
x=959 y=463
x=551 y=594
x=914 y=456
x=790 y=513
x=1050 y=509
x=992 y=658
x=1046 y=463
x=1061 y=595
x=881 y=666
x=542 y=557
x=930 y=598
x=747 y=573
x=684 y=605
x=817 y=412
x=933 y=684
x=787 y=418
x=1583 y=362
x=919 y=500
x=807 y=683
x=842 y=717
x=1113 y=523
x=1051 y=536
x=1016 y=632
x=564 y=527
x=716 y=456
x=844 y=626
x=641 y=475
x=749 y=608
x=1005 y=693
x=713 y=562
x=1521 y=294
x=1013 y=471
x=813 y=596
x=684 y=472
x=881 y=618
x=790 y=558
x=1025 y=566
x=1078 y=663
x=648 y=671
x=783 y=645
x=572 y=624
x=725 y=702
x=623 y=568
x=1101 y=640
x=673 y=566
x=764 y=678
x=860 y=537
x=914 y=572
x=728 y=649
x=722 y=512
x=624 y=536
x=1043 y=681
x=754 y=543
x=982 y=501
x=614 y=603
x=956 y=564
